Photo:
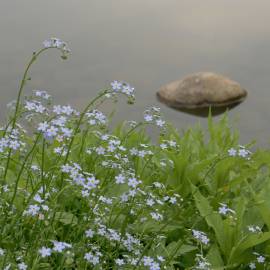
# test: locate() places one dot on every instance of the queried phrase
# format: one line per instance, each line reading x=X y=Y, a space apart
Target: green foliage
x=78 y=195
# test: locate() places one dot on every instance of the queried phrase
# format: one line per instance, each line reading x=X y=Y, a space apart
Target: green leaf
x=213 y=220
x=66 y=218
x=214 y=257
x=246 y=243
x=178 y=248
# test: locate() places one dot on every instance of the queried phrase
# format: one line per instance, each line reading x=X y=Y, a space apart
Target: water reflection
x=147 y=43
x=205 y=111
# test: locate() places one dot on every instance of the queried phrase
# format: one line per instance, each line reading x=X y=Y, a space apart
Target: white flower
x=14 y=145
x=45 y=252
x=90 y=257
x=133 y=182
x=56 y=43
x=224 y=210
x=116 y=85
x=147 y=261
x=47 y=43
x=7 y=267
x=120 y=179
x=51 y=132
x=163 y=146
x=33 y=210
x=156 y=216
x=202 y=263
x=67 y=132
x=252 y=265
x=160 y=258
x=172 y=143
x=128 y=90
x=35 y=168
x=148 y=118
x=124 y=197
x=89 y=233
x=132 y=192
x=58 y=150
x=2 y=252
x=173 y=200
x=60 y=246
x=105 y=137
x=254 y=229
x=150 y=202
x=43 y=126
x=160 y=122
x=119 y=262
x=133 y=151
x=243 y=153
x=45 y=207
x=57 y=109
x=232 y=152
x=260 y=259
x=201 y=236
x=60 y=121
x=38 y=199
x=154 y=266
x=158 y=185
x=42 y=94
x=105 y=200
x=66 y=168
x=22 y=266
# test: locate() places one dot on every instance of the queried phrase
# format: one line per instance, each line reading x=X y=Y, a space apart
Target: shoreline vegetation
x=75 y=195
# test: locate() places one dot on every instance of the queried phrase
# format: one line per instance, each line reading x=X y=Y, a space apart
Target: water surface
x=145 y=42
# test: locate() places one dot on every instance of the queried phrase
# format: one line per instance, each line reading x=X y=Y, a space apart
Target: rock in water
x=202 y=90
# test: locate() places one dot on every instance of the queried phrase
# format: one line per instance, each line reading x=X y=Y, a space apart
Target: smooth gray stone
x=201 y=90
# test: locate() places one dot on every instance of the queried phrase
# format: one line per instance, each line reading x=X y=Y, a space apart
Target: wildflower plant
x=76 y=194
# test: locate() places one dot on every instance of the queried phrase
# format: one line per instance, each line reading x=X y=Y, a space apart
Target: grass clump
x=76 y=195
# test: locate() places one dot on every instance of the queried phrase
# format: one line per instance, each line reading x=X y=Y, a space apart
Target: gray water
x=145 y=42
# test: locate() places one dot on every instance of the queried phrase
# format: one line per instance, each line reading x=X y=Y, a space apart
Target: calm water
x=145 y=42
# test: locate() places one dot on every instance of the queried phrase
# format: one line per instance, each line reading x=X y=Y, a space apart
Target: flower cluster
x=38 y=207
x=85 y=180
x=122 y=87
x=12 y=140
x=57 y=247
x=96 y=117
x=152 y=115
x=224 y=209
x=201 y=236
x=167 y=144
x=55 y=129
x=141 y=151
x=57 y=43
x=42 y=94
x=260 y=259
x=202 y=263
x=241 y=151
x=254 y=229
x=35 y=106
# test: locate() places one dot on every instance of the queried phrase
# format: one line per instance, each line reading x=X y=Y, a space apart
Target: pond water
x=146 y=43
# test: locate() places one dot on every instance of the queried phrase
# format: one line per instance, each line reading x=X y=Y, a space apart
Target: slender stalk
x=22 y=169
x=17 y=106
x=42 y=166
x=131 y=130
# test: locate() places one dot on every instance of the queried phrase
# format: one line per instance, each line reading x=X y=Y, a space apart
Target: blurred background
x=147 y=43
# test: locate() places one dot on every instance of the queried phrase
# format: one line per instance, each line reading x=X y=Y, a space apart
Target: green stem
x=131 y=130
x=22 y=84
x=22 y=169
x=42 y=167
